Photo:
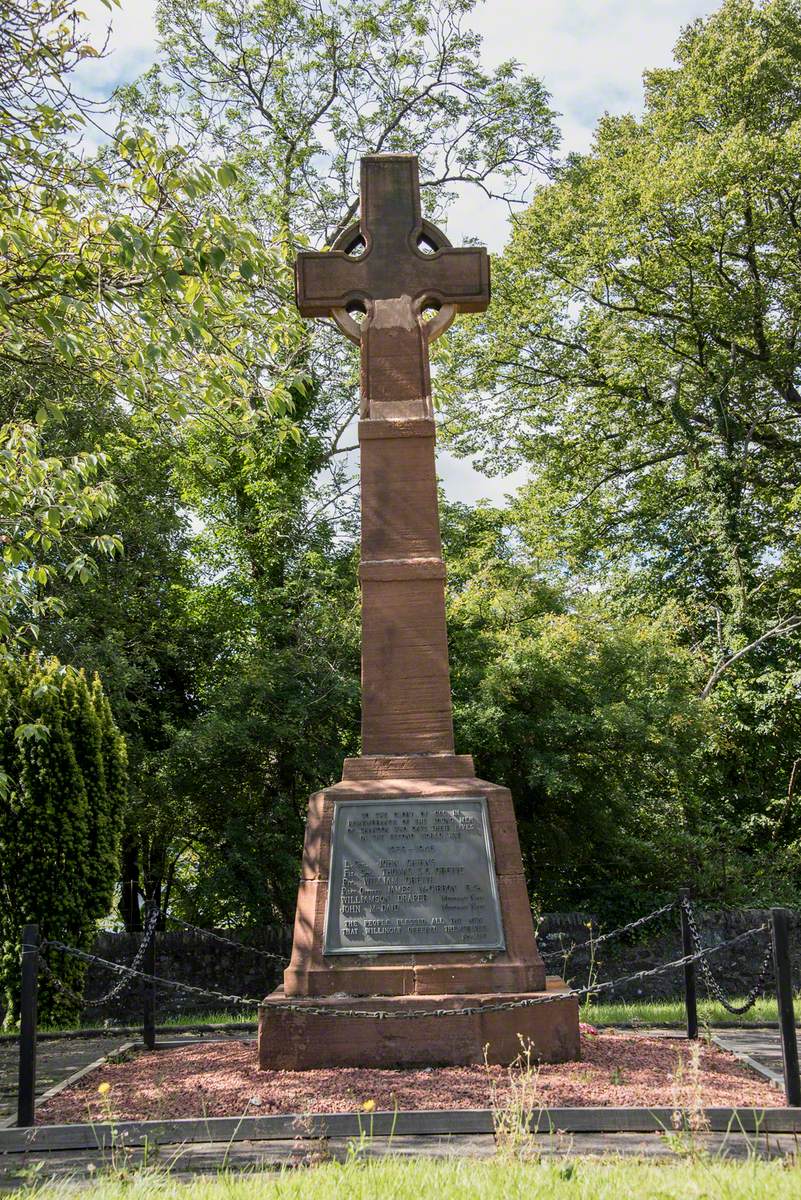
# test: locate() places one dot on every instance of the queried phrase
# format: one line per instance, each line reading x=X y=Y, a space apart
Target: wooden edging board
x=10 y=1122
x=432 y=1122
x=60 y=1035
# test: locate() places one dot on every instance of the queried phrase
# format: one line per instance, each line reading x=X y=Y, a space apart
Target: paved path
x=184 y=1161
x=55 y=1062
x=761 y=1049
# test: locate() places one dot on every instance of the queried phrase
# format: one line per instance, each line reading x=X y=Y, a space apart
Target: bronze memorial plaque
x=411 y=874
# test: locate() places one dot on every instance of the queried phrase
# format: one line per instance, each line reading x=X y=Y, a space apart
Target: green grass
x=178 y=1021
x=465 y=1179
x=659 y=1012
x=644 y=1012
x=212 y=1018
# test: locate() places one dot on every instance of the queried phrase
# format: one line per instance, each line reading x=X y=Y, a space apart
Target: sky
x=590 y=54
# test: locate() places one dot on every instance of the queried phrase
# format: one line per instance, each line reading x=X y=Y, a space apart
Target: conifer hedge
x=62 y=792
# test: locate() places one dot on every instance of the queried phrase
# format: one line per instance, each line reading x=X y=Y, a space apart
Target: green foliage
x=129 y=622
x=126 y=266
x=591 y=722
x=229 y=652
x=642 y=357
x=294 y=93
x=277 y=613
x=271 y=734
x=589 y=718
x=63 y=787
x=644 y=336
x=123 y=269
x=46 y=505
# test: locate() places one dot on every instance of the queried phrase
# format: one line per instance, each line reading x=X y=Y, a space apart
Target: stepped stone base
x=517 y=968
x=303 y=1041
x=398 y=979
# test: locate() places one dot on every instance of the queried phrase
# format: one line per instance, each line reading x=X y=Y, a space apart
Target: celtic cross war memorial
x=412 y=894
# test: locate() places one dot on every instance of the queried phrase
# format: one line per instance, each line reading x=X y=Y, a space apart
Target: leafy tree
x=297 y=92
x=120 y=277
x=229 y=651
x=112 y=799
x=276 y=604
x=589 y=718
x=649 y=318
x=122 y=269
x=110 y=265
x=264 y=605
x=293 y=94
x=63 y=787
x=641 y=355
x=127 y=622
x=45 y=504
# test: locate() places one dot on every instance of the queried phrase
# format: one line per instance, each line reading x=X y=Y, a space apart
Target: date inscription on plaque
x=412 y=875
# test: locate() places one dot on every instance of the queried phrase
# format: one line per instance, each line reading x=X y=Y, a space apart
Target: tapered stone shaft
x=406 y=692
x=393 y=268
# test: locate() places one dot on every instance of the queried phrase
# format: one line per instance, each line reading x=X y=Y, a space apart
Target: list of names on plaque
x=411 y=874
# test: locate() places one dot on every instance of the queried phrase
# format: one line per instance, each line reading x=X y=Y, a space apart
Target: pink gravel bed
x=223 y=1079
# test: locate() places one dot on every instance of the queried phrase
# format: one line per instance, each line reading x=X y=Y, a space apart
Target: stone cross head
x=383 y=279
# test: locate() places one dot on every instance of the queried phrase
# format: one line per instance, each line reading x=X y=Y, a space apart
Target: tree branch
x=780 y=629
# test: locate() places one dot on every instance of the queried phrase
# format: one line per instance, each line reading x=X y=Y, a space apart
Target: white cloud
x=131 y=31
x=463 y=482
x=590 y=54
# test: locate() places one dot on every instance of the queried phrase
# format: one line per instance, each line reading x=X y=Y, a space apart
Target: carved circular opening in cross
x=437 y=318
x=392 y=283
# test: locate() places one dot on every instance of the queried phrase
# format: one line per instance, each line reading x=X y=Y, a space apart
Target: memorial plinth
x=412 y=894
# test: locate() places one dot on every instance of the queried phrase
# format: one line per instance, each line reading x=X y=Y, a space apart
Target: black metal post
x=149 y=967
x=690 y=988
x=780 y=927
x=26 y=1089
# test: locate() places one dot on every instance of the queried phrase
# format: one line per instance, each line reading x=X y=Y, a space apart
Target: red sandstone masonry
x=299 y=1041
x=406 y=692
x=407 y=725
x=517 y=968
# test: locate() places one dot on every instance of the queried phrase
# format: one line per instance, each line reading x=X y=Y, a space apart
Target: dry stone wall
x=205 y=963
x=736 y=969
x=190 y=958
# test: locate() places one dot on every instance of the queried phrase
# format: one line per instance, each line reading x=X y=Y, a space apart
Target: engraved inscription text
x=412 y=875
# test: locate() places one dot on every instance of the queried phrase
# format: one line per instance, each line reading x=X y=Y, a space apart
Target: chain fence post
x=780 y=929
x=690 y=983
x=149 y=968
x=26 y=1086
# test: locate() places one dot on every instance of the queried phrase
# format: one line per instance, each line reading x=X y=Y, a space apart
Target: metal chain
x=149 y=933
x=605 y=937
x=712 y=985
x=409 y=1014
x=59 y=983
x=217 y=937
